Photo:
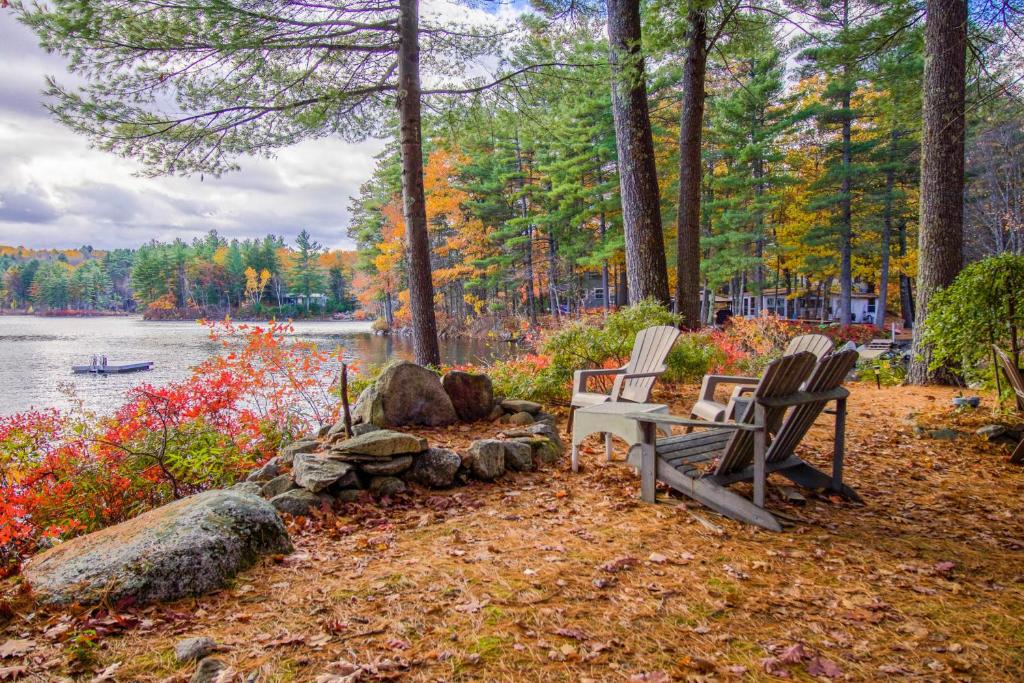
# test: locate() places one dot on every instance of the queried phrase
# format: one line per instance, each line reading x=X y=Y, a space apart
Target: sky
x=57 y=192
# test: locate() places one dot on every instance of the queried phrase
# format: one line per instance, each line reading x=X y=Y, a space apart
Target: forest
x=209 y=277
x=809 y=151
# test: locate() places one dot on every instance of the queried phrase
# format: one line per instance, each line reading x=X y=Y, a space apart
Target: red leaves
x=66 y=473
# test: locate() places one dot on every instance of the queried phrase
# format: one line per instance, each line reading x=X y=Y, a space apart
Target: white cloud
x=55 y=191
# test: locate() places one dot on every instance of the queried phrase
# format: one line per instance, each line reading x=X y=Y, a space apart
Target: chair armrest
x=620 y=379
x=662 y=418
x=580 y=377
x=711 y=382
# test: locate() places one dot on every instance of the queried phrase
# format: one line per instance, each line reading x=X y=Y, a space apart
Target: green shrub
x=983 y=306
x=598 y=342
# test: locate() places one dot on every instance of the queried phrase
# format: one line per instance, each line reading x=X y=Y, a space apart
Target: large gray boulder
x=405 y=394
x=472 y=394
x=486 y=459
x=436 y=468
x=189 y=547
x=381 y=444
x=316 y=473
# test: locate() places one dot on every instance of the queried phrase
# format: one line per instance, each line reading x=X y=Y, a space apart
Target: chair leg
x=607 y=447
x=572 y=415
x=1017 y=457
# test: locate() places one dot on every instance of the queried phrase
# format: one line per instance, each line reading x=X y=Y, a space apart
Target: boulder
x=297 y=502
x=388 y=467
x=472 y=394
x=405 y=394
x=386 y=486
x=336 y=431
x=518 y=456
x=381 y=444
x=364 y=428
x=546 y=418
x=189 y=547
x=486 y=459
x=278 y=485
x=315 y=473
x=266 y=471
x=249 y=488
x=208 y=671
x=512 y=405
x=990 y=432
x=287 y=454
x=192 y=649
x=350 y=495
x=545 y=451
x=436 y=468
x=546 y=430
x=497 y=412
x=520 y=419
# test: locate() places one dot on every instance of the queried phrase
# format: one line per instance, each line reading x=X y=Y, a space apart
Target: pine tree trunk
x=421 y=287
x=846 y=220
x=940 y=243
x=638 y=180
x=890 y=187
x=691 y=127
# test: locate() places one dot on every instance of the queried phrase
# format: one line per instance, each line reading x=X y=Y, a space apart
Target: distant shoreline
x=136 y=314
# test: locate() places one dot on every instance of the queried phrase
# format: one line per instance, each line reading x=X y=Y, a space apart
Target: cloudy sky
x=57 y=192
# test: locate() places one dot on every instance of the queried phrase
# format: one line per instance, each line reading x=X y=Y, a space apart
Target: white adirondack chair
x=634 y=380
x=1016 y=380
x=786 y=402
x=707 y=408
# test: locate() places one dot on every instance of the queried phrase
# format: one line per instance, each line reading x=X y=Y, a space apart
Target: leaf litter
x=539 y=577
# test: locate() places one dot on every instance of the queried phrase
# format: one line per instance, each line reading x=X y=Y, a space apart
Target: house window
x=599 y=294
x=872 y=305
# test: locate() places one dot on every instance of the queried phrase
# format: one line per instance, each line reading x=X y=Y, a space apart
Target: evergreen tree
x=306 y=275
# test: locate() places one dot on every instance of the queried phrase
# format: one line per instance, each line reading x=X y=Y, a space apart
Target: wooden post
x=648 y=462
x=760 y=446
x=840 y=445
x=344 y=400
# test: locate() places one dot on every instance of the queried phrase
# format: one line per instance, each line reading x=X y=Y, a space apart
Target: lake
x=36 y=354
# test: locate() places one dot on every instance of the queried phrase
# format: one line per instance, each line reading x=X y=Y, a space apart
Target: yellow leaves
x=255 y=283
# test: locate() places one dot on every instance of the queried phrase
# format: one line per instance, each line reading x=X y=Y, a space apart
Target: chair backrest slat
x=828 y=374
x=818 y=344
x=782 y=377
x=1012 y=372
x=649 y=352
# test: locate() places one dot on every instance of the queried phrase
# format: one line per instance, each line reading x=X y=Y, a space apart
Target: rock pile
x=314 y=474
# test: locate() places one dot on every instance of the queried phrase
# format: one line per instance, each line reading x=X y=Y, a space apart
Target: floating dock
x=112 y=369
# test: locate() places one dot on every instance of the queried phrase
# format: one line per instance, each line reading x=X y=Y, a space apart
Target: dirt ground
x=551 y=576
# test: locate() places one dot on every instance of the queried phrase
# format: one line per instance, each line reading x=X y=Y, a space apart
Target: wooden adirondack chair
x=707 y=408
x=762 y=441
x=1016 y=380
x=633 y=382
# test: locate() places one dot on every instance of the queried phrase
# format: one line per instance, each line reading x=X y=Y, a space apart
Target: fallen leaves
x=619 y=564
x=16 y=648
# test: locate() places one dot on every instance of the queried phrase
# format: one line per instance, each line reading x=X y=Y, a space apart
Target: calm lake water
x=36 y=355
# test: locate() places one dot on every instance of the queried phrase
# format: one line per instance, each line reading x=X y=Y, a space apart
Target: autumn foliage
x=65 y=473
